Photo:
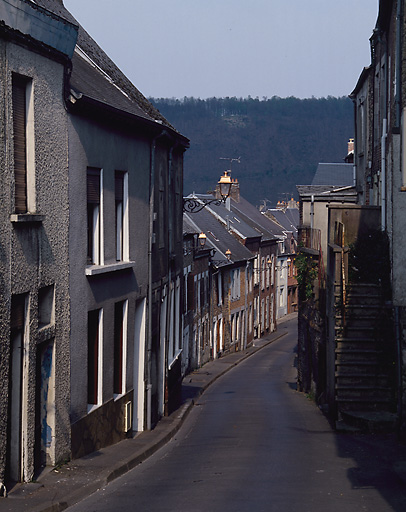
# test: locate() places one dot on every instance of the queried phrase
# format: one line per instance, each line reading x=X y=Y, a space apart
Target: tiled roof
x=339 y=174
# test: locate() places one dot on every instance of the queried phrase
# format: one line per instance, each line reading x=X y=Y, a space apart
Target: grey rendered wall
x=94 y=145
x=32 y=256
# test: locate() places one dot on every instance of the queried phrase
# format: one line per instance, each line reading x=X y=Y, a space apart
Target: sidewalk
x=62 y=487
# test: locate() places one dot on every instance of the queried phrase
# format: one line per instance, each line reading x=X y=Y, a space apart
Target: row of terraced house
x=107 y=296
x=241 y=280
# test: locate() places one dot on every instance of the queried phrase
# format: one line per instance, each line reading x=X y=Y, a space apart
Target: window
x=235 y=284
x=190 y=296
x=256 y=270
x=196 y=297
x=23 y=142
x=220 y=289
x=272 y=270
x=94 y=183
x=94 y=358
x=121 y=216
x=120 y=346
x=262 y=273
x=267 y=272
x=281 y=297
x=232 y=328
x=46 y=310
x=18 y=349
x=267 y=313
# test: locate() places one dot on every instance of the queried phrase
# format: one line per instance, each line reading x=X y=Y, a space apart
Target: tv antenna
x=231 y=160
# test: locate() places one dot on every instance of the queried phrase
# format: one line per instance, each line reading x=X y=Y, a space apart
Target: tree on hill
x=280 y=140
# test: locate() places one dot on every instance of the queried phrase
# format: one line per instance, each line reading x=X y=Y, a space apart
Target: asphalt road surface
x=253 y=443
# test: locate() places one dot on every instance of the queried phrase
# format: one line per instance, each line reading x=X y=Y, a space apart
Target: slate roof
x=96 y=76
x=219 y=238
x=328 y=193
x=262 y=224
x=188 y=227
x=288 y=218
x=339 y=174
x=236 y=221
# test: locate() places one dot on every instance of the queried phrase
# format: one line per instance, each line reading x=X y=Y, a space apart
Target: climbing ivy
x=306 y=273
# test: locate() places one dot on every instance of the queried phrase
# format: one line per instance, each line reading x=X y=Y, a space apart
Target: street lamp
x=225 y=185
x=202 y=239
x=194 y=205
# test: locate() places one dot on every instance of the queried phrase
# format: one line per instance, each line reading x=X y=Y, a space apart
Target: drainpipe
x=383 y=174
x=170 y=303
x=151 y=241
x=246 y=306
x=399 y=369
x=311 y=212
x=398 y=63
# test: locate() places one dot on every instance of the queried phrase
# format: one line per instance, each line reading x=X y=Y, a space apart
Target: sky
x=219 y=48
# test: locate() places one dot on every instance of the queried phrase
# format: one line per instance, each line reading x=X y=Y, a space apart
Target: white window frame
x=92 y=407
x=98 y=228
x=256 y=270
x=124 y=354
x=122 y=227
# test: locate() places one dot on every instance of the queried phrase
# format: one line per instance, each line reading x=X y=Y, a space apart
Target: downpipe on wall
x=151 y=241
x=383 y=174
x=398 y=337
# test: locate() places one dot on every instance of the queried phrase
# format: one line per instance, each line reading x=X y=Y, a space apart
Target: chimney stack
x=235 y=191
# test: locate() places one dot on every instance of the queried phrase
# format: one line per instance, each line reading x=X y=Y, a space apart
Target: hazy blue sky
x=205 y=48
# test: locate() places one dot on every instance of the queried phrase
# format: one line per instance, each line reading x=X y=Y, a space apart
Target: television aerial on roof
x=231 y=160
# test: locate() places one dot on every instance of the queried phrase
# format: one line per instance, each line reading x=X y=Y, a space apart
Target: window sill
x=23 y=218
x=46 y=332
x=94 y=270
x=178 y=353
x=92 y=407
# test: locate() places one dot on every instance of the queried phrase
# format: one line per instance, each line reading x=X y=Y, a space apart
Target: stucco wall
x=34 y=255
x=93 y=145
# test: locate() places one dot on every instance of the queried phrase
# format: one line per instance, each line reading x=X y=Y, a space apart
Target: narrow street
x=253 y=443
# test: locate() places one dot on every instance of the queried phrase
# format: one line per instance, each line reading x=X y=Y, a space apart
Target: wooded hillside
x=280 y=141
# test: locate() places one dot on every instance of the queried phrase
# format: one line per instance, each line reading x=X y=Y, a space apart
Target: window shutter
x=20 y=144
x=17 y=312
x=93 y=186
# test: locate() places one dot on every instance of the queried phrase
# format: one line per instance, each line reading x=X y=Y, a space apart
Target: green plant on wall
x=306 y=273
